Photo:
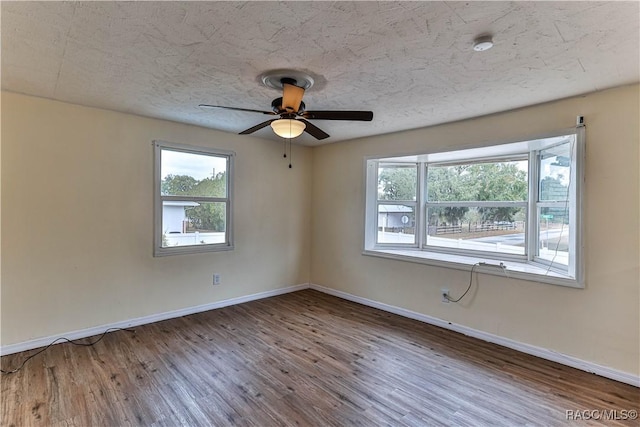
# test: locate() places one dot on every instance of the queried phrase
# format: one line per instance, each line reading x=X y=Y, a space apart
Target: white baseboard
x=543 y=353
x=97 y=330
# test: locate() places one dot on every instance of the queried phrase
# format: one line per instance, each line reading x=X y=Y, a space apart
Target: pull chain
x=285 y=145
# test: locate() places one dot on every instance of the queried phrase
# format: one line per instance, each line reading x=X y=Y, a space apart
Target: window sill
x=190 y=249
x=514 y=270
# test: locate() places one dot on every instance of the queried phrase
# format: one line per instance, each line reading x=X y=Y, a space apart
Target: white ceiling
x=411 y=63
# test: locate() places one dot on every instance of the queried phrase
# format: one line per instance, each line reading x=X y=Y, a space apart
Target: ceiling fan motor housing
x=276 y=106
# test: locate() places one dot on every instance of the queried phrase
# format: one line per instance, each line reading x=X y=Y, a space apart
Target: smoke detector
x=482 y=43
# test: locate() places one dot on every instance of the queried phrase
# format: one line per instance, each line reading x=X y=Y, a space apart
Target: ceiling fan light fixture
x=288 y=128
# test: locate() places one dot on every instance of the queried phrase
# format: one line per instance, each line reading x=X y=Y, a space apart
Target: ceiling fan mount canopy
x=275 y=79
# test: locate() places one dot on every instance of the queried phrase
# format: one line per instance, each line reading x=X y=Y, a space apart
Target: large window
x=192 y=199
x=478 y=206
x=516 y=204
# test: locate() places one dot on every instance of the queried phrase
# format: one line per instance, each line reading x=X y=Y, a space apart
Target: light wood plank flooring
x=305 y=359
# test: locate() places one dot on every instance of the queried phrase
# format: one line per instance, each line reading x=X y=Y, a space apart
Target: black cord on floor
x=89 y=344
x=469 y=287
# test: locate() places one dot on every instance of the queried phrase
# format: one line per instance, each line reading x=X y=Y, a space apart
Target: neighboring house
x=395 y=216
x=174 y=219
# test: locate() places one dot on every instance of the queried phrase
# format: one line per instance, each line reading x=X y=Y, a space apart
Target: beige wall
x=77 y=198
x=77 y=233
x=599 y=324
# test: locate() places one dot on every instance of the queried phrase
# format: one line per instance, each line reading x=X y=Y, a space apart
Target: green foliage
x=496 y=181
x=447 y=184
x=499 y=181
x=206 y=216
x=397 y=183
x=211 y=187
x=175 y=185
x=184 y=185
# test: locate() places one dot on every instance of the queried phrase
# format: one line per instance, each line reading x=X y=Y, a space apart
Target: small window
x=192 y=199
x=516 y=203
x=397 y=189
x=553 y=206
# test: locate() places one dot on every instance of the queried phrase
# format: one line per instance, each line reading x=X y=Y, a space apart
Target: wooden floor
x=305 y=359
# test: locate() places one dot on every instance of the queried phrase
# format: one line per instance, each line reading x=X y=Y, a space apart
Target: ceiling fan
x=293 y=116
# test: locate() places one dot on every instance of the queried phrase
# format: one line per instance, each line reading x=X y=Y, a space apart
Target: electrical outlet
x=445 y=295
x=216 y=279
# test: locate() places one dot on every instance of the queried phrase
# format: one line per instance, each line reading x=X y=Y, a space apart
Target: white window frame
x=472 y=204
x=528 y=266
x=158 y=249
x=413 y=203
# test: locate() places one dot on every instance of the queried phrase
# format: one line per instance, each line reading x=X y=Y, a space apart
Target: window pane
x=191 y=223
x=553 y=234
x=396 y=224
x=555 y=168
x=498 y=229
x=193 y=174
x=472 y=182
x=397 y=182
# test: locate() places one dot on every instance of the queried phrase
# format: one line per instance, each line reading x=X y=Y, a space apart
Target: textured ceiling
x=411 y=63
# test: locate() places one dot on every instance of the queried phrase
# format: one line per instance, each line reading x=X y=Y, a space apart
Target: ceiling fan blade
x=271 y=113
x=291 y=97
x=361 y=116
x=256 y=127
x=314 y=131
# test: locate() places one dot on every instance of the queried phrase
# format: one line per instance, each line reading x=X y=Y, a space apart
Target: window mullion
x=194 y=199
x=575 y=209
x=396 y=202
x=477 y=204
x=371 y=207
x=421 y=197
x=531 y=237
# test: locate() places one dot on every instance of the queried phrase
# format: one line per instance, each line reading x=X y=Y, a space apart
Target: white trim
x=97 y=330
x=540 y=352
x=158 y=198
x=571 y=276
x=510 y=146
x=514 y=269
